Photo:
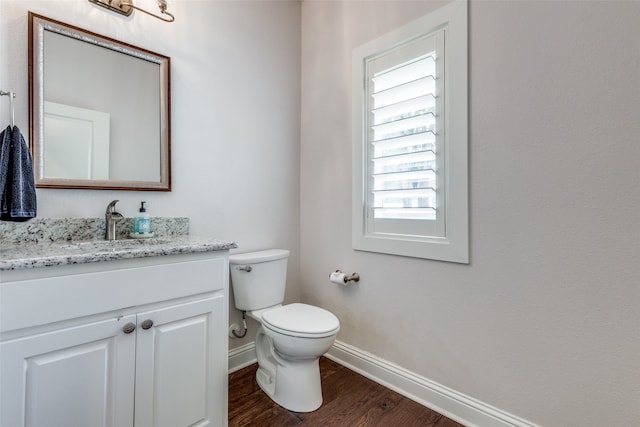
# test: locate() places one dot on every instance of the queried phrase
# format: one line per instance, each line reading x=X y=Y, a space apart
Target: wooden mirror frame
x=37 y=26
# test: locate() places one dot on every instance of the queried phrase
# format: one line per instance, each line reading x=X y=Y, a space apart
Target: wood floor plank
x=381 y=408
x=349 y=400
x=410 y=414
x=354 y=400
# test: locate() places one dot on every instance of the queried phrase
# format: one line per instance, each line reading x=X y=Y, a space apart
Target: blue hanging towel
x=17 y=187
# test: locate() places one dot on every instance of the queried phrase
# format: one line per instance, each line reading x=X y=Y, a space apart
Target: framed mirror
x=99 y=110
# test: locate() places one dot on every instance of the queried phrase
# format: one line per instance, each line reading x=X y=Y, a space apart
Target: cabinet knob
x=128 y=328
x=147 y=324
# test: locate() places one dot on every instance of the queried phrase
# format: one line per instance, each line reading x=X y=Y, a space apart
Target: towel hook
x=11 y=96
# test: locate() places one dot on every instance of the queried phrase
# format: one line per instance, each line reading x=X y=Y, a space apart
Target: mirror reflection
x=100 y=110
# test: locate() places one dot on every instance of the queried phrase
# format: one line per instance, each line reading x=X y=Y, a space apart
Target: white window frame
x=453 y=244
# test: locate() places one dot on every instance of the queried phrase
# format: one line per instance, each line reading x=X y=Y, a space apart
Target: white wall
x=544 y=321
x=235 y=103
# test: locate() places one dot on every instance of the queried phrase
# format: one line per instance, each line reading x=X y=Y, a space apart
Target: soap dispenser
x=142 y=221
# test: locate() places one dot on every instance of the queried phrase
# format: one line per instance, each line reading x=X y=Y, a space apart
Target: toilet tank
x=259 y=278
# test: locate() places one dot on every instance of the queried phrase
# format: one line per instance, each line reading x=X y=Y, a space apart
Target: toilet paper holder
x=353 y=277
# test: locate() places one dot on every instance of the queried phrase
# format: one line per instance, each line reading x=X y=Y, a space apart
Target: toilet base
x=293 y=384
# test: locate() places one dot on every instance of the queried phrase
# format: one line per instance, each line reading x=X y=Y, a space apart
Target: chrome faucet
x=110 y=219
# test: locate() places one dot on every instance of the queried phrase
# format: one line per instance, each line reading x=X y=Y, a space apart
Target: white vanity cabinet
x=177 y=379
x=77 y=376
x=136 y=342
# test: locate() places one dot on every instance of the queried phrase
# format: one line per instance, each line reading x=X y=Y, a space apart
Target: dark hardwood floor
x=349 y=400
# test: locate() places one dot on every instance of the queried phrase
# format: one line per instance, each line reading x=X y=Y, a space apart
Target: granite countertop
x=33 y=255
x=59 y=241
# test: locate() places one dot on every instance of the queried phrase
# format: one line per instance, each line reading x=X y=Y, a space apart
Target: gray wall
x=543 y=323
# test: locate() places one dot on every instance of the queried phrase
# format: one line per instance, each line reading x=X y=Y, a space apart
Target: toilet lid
x=301 y=320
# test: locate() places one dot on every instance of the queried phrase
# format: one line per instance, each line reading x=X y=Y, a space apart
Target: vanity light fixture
x=125 y=7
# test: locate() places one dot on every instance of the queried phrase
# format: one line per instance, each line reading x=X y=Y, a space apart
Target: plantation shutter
x=410 y=139
x=405 y=135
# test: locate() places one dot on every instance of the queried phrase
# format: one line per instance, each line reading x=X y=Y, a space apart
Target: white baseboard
x=452 y=404
x=242 y=356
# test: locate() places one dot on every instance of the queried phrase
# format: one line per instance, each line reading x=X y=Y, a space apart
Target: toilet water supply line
x=244 y=325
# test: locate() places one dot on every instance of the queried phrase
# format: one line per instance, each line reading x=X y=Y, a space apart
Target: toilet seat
x=301 y=320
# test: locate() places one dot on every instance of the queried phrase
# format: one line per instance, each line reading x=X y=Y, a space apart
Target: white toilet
x=291 y=337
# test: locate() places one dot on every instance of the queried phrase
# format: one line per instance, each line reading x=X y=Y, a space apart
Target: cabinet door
x=181 y=366
x=76 y=376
